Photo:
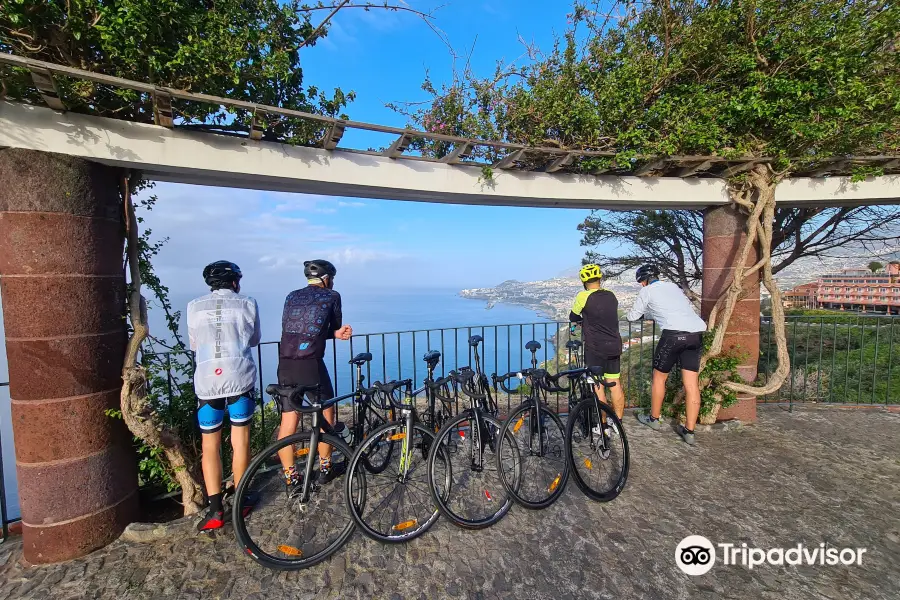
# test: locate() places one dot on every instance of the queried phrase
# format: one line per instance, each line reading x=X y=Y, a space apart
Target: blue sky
x=383 y=57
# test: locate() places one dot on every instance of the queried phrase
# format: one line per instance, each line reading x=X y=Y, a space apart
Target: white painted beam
x=226 y=161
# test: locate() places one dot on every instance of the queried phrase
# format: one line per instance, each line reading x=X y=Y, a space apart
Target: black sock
x=215 y=502
x=686 y=430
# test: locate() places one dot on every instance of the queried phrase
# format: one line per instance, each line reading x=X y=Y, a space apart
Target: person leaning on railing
x=597 y=311
x=681 y=338
x=312 y=315
x=222 y=327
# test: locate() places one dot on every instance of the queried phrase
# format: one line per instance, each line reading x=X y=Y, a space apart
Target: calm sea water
x=426 y=317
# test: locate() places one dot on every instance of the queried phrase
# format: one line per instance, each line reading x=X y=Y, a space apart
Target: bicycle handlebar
x=386 y=390
x=500 y=379
x=597 y=372
x=466 y=380
x=296 y=393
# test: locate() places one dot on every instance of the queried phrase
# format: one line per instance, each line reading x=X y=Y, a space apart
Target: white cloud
x=272 y=232
x=343 y=204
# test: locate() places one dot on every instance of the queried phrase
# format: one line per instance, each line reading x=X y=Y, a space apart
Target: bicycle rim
x=282 y=532
x=474 y=498
x=599 y=464
x=534 y=469
x=397 y=506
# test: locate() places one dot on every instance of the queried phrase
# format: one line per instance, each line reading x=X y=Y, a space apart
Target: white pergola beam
x=227 y=161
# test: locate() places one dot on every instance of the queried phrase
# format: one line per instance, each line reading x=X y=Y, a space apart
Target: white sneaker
x=610 y=427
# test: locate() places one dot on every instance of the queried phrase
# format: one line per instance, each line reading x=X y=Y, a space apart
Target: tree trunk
x=136 y=411
x=761 y=186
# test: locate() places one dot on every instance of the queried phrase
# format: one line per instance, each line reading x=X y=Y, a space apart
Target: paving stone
x=814 y=475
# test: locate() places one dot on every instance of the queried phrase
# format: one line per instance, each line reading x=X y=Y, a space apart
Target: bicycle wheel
x=462 y=473
x=535 y=471
x=377 y=457
x=397 y=506
x=283 y=532
x=599 y=462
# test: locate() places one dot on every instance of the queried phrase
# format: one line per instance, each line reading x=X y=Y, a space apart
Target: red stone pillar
x=61 y=240
x=723 y=232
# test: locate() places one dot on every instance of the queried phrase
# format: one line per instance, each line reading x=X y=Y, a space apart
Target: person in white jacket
x=223 y=327
x=681 y=341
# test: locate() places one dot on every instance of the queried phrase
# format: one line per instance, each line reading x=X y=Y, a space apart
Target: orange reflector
x=397 y=436
x=301 y=452
x=555 y=483
x=405 y=525
x=290 y=550
x=518 y=424
x=487 y=495
x=588 y=463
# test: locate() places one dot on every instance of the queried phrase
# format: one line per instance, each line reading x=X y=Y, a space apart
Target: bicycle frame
x=319 y=424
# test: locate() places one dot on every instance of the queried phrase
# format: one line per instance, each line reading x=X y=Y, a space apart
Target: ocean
x=413 y=321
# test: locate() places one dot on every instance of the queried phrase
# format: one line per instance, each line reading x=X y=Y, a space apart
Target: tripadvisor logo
x=696 y=555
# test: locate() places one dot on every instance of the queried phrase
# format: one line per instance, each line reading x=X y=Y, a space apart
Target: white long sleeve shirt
x=665 y=303
x=223 y=327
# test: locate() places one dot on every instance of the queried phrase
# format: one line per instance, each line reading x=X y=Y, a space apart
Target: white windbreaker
x=223 y=327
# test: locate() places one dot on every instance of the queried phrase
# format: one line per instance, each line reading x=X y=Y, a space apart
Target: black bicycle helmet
x=647 y=273
x=317 y=269
x=221 y=274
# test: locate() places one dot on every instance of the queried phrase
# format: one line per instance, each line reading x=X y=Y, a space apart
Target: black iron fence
x=4 y=516
x=841 y=359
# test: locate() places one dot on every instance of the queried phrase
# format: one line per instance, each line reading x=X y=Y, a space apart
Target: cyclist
x=681 y=339
x=597 y=310
x=223 y=326
x=311 y=316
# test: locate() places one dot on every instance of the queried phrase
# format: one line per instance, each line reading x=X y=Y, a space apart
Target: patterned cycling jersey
x=311 y=316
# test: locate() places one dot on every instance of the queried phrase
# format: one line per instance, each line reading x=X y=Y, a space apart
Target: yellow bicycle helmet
x=589 y=272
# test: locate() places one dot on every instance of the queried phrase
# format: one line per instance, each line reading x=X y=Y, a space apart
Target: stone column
x=723 y=232
x=63 y=288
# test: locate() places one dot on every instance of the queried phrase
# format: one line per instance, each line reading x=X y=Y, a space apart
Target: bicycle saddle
x=475 y=340
x=533 y=346
x=432 y=357
x=361 y=358
x=573 y=344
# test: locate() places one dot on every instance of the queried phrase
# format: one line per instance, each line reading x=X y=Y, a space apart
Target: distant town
x=829 y=284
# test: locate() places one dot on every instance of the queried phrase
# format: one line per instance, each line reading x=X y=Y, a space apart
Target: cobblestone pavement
x=817 y=475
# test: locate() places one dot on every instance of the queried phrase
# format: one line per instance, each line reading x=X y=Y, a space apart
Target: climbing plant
x=241 y=49
x=795 y=82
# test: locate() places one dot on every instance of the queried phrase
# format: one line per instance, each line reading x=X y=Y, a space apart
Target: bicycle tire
x=296 y=558
x=445 y=442
x=408 y=523
x=557 y=477
x=574 y=436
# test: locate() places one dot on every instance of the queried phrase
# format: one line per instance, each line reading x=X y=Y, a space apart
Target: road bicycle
x=535 y=471
x=463 y=477
x=299 y=520
x=396 y=506
x=596 y=445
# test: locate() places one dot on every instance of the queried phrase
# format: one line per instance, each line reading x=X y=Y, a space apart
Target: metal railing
x=4 y=516
x=841 y=359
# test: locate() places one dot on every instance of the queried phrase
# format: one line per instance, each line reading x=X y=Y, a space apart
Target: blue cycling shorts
x=211 y=413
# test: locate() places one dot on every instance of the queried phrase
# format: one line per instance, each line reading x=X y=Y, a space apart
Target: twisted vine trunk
x=136 y=411
x=757 y=197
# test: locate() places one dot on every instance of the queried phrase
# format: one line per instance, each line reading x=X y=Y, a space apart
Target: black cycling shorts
x=674 y=346
x=611 y=364
x=305 y=371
